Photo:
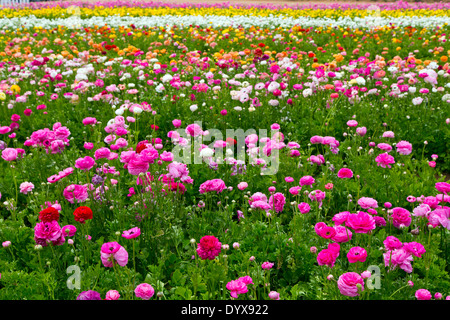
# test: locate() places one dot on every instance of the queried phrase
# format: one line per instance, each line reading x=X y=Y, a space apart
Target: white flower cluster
x=218 y=21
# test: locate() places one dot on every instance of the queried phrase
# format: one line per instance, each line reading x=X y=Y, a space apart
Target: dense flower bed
x=224 y=152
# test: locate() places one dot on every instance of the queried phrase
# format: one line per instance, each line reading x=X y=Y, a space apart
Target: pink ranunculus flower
x=102 y=153
x=113 y=252
x=347 y=284
x=217 y=185
x=277 y=201
x=307 y=181
x=340 y=218
x=385 y=147
x=48 y=232
x=415 y=248
x=273 y=295
x=304 y=207
x=361 y=131
x=132 y=233
x=75 y=192
x=366 y=203
x=267 y=265
x=423 y=294
x=242 y=186
x=26 y=187
x=9 y=154
x=443 y=187
x=392 y=243
x=400 y=217
x=89 y=121
x=357 y=254
x=327 y=232
x=361 y=222
x=136 y=166
x=345 y=173
x=398 y=258
x=440 y=217
x=209 y=247
x=166 y=156
x=85 y=164
x=404 y=147
x=343 y=234
x=236 y=287
x=326 y=257
x=317 y=195
x=144 y=291
x=112 y=295
x=385 y=160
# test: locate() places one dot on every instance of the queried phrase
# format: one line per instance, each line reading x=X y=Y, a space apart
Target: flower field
x=164 y=151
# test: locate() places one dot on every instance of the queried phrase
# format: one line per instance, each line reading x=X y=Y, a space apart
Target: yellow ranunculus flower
x=15 y=88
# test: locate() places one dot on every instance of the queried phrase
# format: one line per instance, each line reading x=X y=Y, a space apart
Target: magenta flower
x=347 y=284
x=392 y=243
x=236 y=287
x=217 y=185
x=343 y=234
x=304 y=207
x=361 y=222
x=443 y=187
x=307 y=181
x=85 y=164
x=48 y=232
x=326 y=257
x=267 y=265
x=9 y=154
x=317 y=195
x=367 y=203
x=144 y=291
x=132 y=233
x=415 y=248
x=209 y=247
x=404 y=147
x=423 y=294
x=385 y=160
x=400 y=217
x=89 y=295
x=246 y=279
x=112 y=295
x=340 y=218
x=112 y=252
x=75 y=192
x=356 y=254
x=345 y=173
x=273 y=295
x=277 y=201
x=398 y=258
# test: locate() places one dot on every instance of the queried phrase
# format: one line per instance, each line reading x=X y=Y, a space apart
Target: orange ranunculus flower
x=339 y=57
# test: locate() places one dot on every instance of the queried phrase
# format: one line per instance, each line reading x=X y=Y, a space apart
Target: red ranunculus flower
x=82 y=214
x=141 y=146
x=49 y=214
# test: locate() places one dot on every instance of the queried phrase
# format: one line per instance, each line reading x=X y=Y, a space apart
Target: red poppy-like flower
x=82 y=214
x=49 y=214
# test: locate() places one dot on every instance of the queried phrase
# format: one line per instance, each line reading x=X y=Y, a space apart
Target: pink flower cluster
x=239 y=286
x=54 y=140
x=400 y=255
